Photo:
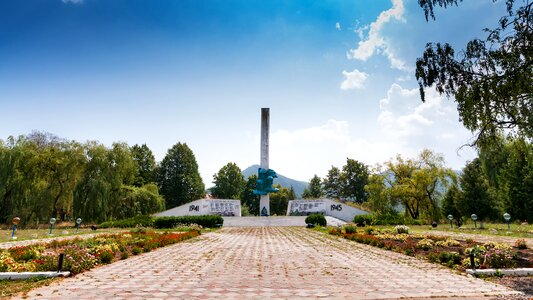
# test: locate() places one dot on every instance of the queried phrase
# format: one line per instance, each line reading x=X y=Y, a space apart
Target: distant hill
x=298 y=186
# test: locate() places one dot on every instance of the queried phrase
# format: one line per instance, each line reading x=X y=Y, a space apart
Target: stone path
x=274 y=221
x=268 y=263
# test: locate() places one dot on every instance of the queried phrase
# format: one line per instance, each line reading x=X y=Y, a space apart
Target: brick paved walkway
x=268 y=262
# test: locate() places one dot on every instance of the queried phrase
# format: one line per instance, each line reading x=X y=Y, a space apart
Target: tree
x=477 y=196
x=380 y=200
x=279 y=201
x=417 y=184
x=333 y=184
x=515 y=180
x=450 y=204
x=492 y=80
x=354 y=177
x=229 y=182
x=248 y=198
x=146 y=166
x=178 y=176
x=99 y=195
x=314 y=190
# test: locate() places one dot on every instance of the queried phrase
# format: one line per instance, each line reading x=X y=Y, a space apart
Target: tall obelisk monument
x=264 y=202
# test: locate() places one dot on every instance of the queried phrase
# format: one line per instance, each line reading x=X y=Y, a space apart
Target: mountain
x=298 y=186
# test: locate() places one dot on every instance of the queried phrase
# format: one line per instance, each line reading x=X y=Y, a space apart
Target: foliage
x=280 y=200
x=362 y=220
x=520 y=244
x=332 y=184
x=316 y=219
x=477 y=197
x=82 y=255
x=350 y=229
x=401 y=229
x=145 y=221
x=207 y=221
x=145 y=162
x=314 y=190
x=229 y=182
x=425 y=244
x=491 y=80
x=248 y=198
x=354 y=177
x=415 y=183
x=178 y=176
x=450 y=204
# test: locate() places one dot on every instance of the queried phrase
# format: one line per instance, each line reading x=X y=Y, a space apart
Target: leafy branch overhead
x=491 y=79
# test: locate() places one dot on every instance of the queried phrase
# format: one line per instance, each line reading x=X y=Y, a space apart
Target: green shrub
x=144 y=221
x=362 y=220
x=350 y=229
x=206 y=221
x=106 y=257
x=369 y=230
x=124 y=255
x=388 y=219
x=316 y=219
x=136 y=250
x=449 y=258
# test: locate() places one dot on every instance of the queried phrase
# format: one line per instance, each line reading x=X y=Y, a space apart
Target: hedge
x=209 y=221
x=145 y=221
x=316 y=219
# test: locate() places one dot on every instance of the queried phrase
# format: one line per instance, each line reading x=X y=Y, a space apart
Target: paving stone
x=268 y=262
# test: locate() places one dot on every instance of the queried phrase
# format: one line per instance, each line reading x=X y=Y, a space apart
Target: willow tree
x=491 y=78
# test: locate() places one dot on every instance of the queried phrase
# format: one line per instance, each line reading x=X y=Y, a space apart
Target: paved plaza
x=268 y=263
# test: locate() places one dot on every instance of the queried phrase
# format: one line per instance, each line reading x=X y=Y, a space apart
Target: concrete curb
x=505 y=272
x=26 y=275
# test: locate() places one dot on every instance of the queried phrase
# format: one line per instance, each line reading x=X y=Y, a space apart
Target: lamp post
x=52 y=221
x=507 y=218
x=15 y=221
x=450 y=217
x=78 y=222
x=474 y=218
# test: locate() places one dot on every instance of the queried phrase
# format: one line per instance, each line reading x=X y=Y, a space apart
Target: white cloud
x=375 y=42
x=338 y=26
x=353 y=80
x=72 y=1
x=404 y=125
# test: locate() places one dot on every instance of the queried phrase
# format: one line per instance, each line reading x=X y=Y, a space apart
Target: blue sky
x=337 y=75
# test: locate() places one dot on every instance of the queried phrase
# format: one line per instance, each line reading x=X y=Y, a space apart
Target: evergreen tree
x=314 y=190
x=333 y=184
x=178 y=177
x=146 y=166
x=229 y=182
x=450 y=203
x=477 y=197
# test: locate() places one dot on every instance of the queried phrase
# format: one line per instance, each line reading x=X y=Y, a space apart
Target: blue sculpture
x=264 y=182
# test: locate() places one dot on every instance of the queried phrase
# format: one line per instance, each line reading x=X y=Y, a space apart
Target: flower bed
x=83 y=254
x=441 y=249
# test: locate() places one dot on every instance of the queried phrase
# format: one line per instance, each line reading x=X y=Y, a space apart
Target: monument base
x=264 y=206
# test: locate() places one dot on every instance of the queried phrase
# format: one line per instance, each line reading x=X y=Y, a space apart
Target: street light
x=507 y=218
x=52 y=221
x=78 y=222
x=15 y=221
x=474 y=218
x=450 y=217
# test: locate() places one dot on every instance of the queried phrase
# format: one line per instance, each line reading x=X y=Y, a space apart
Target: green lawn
x=32 y=234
